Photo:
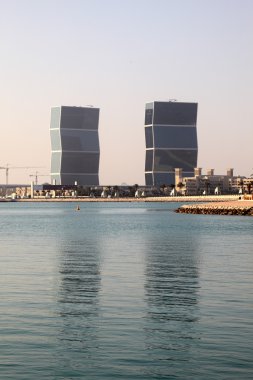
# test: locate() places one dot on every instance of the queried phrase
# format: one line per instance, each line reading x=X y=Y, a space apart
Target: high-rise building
x=74 y=145
x=171 y=141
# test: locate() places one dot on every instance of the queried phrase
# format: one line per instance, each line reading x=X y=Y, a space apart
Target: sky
x=117 y=55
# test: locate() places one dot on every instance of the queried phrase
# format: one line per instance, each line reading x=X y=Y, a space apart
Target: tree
x=180 y=185
x=207 y=185
x=249 y=185
x=240 y=183
x=131 y=191
x=162 y=187
x=136 y=192
x=116 y=191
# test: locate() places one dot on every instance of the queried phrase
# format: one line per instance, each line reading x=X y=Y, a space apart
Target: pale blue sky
x=117 y=55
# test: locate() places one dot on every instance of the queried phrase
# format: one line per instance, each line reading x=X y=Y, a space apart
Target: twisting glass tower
x=74 y=145
x=171 y=141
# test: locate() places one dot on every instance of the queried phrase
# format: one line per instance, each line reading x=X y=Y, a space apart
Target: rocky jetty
x=241 y=207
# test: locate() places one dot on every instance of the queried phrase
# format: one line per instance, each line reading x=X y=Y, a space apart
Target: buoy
x=77 y=208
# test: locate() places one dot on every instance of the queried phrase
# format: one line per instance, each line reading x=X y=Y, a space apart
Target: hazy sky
x=117 y=55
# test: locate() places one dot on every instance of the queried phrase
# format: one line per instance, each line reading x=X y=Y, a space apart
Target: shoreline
x=204 y=198
x=206 y=205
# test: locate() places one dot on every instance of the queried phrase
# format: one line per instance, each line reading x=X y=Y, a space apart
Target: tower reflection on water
x=127 y=299
x=171 y=289
x=78 y=295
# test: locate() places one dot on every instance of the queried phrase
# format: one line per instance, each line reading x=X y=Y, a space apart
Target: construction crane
x=36 y=175
x=8 y=167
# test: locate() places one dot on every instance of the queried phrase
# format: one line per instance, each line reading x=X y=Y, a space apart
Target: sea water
x=124 y=291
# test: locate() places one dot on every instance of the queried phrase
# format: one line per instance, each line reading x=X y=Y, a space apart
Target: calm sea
x=124 y=291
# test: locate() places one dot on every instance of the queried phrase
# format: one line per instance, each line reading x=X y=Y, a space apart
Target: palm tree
x=136 y=187
x=162 y=187
x=207 y=185
x=116 y=191
x=131 y=191
x=240 y=183
x=180 y=185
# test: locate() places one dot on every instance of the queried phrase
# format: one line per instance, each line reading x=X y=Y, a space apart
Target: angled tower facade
x=171 y=141
x=74 y=145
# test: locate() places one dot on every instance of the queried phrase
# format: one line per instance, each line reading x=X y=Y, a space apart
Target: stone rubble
x=240 y=207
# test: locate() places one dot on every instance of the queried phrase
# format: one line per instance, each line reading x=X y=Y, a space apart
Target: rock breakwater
x=222 y=208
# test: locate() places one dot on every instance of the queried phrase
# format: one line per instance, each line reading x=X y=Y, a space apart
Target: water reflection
x=80 y=283
x=171 y=289
x=80 y=276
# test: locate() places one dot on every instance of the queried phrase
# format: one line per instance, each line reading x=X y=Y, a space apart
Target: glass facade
x=174 y=113
x=149 y=160
x=55 y=139
x=171 y=137
x=75 y=145
x=149 y=113
x=149 y=137
x=164 y=179
x=75 y=140
x=56 y=162
x=80 y=178
x=168 y=160
x=79 y=162
x=149 y=179
x=159 y=179
x=55 y=117
x=79 y=118
x=171 y=141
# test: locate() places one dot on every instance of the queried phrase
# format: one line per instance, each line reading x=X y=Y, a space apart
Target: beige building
x=211 y=183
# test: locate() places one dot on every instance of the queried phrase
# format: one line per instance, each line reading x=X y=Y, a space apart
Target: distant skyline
x=117 y=55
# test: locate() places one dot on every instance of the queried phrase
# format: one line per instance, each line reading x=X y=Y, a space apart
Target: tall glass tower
x=171 y=141
x=74 y=145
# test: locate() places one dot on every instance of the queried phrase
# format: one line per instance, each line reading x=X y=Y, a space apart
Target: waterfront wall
x=184 y=199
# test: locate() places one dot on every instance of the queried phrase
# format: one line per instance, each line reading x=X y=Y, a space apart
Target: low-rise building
x=211 y=183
